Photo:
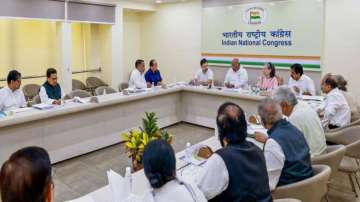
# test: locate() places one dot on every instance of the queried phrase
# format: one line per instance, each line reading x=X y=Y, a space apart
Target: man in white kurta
x=303 y=117
x=299 y=82
x=137 y=77
x=237 y=76
x=11 y=97
x=204 y=76
x=336 y=109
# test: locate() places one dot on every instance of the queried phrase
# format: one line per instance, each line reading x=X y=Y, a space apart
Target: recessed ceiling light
x=158 y=1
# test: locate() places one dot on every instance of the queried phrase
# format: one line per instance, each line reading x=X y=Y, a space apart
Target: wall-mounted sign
x=255 y=16
x=284 y=33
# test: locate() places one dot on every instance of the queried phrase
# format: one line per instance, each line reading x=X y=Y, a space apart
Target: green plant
x=150 y=124
x=135 y=140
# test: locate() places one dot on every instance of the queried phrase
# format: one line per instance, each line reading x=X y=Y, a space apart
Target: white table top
x=140 y=183
x=23 y=116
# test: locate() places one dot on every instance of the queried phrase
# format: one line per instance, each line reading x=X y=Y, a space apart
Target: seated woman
x=26 y=177
x=353 y=104
x=160 y=169
x=268 y=79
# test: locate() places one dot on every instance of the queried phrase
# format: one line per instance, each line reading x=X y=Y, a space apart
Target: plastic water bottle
x=188 y=151
x=104 y=92
x=128 y=182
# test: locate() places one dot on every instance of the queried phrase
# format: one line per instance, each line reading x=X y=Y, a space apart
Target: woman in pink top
x=268 y=80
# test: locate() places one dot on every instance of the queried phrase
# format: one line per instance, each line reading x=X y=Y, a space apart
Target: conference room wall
x=5 y=60
x=172 y=35
x=132 y=41
x=29 y=46
x=342 y=44
x=90 y=49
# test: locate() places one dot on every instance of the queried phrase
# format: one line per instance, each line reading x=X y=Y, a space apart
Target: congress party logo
x=255 y=16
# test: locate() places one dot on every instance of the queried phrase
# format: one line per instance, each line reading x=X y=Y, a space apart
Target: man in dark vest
x=50 y=91
x=237 y=172
x=286 y=151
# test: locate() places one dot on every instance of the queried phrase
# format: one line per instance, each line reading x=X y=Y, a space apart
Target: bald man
x=237 y=76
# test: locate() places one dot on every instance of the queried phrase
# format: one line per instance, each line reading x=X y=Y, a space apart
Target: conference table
x=185 y=172
x=74 y=129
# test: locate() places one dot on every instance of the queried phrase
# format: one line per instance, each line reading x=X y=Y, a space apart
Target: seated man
x=153 y=76
x=204 y=76
x=11 y=97
x=137 y=77
x=302 y=116
x=237 y=172
x=50 y=91
x=299 y=82
x=286 y=152
x=336 y=109
x=237 y=76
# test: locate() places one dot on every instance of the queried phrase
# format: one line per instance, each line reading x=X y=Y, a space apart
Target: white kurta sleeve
x=44 y=97
x=211 y=75
x=2 y=100
x=22 y=100
x=197 y=76
x=331 y=105
x=311 y=89
x=243 y=80
x=214 y=178
x=227 y=77
x=275 y=160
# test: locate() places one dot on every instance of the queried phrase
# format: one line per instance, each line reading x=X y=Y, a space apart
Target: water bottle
x=104 y=92
x=128 y=182
x=188 y=151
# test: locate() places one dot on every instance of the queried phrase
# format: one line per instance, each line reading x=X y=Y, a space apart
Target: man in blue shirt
x=153 y=76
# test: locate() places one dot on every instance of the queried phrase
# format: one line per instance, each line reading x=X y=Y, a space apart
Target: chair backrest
x=353 y=150
x=31 y=90
x=345 y=136
x=123 y=86
x=287 y=200
x=310 y=190
x=79 y=93
x=332 y=157
x=100 y=90
x=218 y=83
x=36 y=99
x=94 y=82
x=78 y=85
x=353 y=123
x=280 y=80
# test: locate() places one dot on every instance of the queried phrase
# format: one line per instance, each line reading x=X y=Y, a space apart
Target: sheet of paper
x=83 y=199
x=20 y=110
x=316 y=98
x=116 y=183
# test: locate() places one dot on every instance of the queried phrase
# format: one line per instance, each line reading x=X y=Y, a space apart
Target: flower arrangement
x=136 y=139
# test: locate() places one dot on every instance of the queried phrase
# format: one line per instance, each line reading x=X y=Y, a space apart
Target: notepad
x=43 y=106
x=2 y=115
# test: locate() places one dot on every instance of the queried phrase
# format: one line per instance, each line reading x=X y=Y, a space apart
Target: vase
x=136 y=166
